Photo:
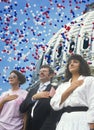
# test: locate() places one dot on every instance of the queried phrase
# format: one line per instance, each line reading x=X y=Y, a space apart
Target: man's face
x=44 y=74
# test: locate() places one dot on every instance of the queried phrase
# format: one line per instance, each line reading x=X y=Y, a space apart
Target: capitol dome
x=75 y=37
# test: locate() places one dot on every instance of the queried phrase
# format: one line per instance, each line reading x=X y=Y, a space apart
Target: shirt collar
x=80 y=77
x=45 y=84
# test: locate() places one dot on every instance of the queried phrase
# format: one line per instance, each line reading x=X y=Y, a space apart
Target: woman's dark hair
x=84 y=67
x=20 y=76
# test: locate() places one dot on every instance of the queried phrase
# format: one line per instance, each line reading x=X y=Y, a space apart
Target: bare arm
x=67 y=93
x=25 y=121
x=1 y=104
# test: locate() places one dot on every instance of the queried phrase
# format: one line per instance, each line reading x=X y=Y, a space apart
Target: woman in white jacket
x=75 y=96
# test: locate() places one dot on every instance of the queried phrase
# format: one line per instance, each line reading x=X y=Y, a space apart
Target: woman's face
x=13 y=79
x=74 y=66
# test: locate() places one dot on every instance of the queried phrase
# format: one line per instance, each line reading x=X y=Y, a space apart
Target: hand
x=76 y=84
x=43 y=94
x=91 y=126
x=8 y=98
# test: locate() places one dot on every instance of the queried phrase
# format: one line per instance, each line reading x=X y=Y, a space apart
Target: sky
x=25 y=30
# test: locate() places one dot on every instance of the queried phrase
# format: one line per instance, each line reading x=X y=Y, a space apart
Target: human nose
x=41 y=72
x=71 y=63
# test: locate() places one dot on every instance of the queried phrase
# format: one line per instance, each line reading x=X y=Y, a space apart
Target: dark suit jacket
x=44 y=116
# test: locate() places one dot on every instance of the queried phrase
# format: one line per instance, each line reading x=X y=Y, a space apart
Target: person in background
x=75 y=96
x=37 y=102
x=10 y=116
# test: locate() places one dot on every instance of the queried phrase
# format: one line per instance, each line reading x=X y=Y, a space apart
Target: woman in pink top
x=10 y=116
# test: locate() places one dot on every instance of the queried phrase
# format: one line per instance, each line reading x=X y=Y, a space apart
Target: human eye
x=76 y=61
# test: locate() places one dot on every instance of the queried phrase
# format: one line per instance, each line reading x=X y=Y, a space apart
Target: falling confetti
x=26 y=28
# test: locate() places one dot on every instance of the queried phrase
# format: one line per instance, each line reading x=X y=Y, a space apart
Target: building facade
x=76 y=37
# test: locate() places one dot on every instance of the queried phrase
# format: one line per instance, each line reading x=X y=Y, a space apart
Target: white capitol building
x=76 y=37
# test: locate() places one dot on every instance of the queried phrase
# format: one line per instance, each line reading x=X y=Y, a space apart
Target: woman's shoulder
x=23 y=91
x=4 y=93
x=89 y=79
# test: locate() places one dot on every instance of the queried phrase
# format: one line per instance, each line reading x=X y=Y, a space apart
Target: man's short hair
x=51 y=71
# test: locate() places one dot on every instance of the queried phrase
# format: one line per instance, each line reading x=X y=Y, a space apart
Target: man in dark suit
x=37 y=103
